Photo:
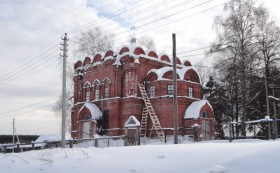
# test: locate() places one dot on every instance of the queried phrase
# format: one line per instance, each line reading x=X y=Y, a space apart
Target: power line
x=154 y=14
x=16 y=69
x=13 y=115
x=100 y=21
x=203 y=11
x=11 y=78
x=22 y=59
x=28 y=106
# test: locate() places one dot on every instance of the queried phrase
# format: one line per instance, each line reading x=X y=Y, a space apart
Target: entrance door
x=206 y=130
x=86 y=129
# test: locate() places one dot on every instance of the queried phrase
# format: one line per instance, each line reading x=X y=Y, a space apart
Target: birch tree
x=92 y=41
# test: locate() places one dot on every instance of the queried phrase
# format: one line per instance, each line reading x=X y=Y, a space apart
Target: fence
x=20 y=147
x=254 y=133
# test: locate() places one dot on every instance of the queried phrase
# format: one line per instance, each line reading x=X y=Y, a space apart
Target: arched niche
x=123 y=50
x=138 y=51
x=87 y=60
x=192 y=76
x=187 y=63
x=78 y=64
x=97 y=57
x=152 y=76
x=165 y=58
x=109 y=53
x=169 y=75
x=178 y=61
x=153 y=54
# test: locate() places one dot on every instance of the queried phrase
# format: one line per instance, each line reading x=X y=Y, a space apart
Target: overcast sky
x=30 y=80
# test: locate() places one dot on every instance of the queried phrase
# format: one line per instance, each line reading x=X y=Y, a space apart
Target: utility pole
x=267 y=106
x=63 y=125
x=13 y=132
x=175 y=101
x=275 y=128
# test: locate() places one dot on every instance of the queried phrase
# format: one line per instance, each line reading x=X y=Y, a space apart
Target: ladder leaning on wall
x=148 y=109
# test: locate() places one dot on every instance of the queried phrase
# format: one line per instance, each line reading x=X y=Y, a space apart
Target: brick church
x=107 y=93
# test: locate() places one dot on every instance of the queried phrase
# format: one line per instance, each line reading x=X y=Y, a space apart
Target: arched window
x=107 y=84
x=86 y=117
x=87 y=87
x=96 y=85
x=204 y=115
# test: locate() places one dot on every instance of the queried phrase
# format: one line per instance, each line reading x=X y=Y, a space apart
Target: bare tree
x=267 y=40
x=147 y=42
x=247 y=47
x=92 y=41
x=88 y=43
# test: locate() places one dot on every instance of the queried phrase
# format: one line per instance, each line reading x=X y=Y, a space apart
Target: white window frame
x=96 y=94
x=106 y=92
x=152 y=91
x=191 y=92
x=170 y=89
x=87 y=96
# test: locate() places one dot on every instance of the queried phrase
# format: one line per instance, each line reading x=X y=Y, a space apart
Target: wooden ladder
x=144 y=121
x=150 y=110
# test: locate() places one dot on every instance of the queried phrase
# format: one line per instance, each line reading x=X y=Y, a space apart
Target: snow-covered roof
x=194 y=109
x=181 y=72
x=117 y=56
x=132 y=122
x=50 y=137
x=94 y=110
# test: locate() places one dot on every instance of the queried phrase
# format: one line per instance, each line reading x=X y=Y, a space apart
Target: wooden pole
x=175 y=101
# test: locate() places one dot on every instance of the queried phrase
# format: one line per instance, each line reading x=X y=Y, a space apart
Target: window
x=191 y=92
x=152 y=91
x=204 y=115
x=86 y=117
x=97 y=93
x=87 y=87
x=169 y=89
x=87 y=96
x=106 y=94
x=107 y=84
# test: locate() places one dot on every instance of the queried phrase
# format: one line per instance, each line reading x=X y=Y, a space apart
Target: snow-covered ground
x=240 y=156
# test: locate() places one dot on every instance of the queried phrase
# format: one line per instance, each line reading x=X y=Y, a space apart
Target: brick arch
x=169 y=75
x=96 y=82
x=85 y=112
x=206 y=108
x=106 y=80
x=165 y=58
x=87 y=84
x=153 y=54
x=97 y=57
x=78 y=64
x=109 y=53
x=191 y=75
x=152 y=76
x=178 y=61
x=187 y=63
x=138 y=51
x=123 y=50
x=87 y=60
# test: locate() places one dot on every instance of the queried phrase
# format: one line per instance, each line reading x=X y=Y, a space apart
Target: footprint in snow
x=162 y=156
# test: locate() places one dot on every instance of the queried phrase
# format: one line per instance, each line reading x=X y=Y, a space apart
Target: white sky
x=30 y=36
